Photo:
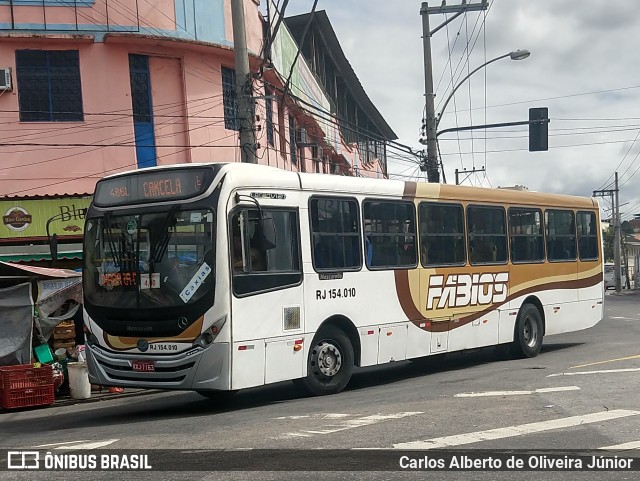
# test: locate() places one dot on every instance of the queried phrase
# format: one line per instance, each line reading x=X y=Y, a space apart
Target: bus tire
x=527 y=340
x=330 y=362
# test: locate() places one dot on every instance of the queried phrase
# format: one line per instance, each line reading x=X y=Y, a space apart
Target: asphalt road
x=581 y=393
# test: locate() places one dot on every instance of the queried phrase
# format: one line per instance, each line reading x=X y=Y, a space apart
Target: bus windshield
x=149 y=260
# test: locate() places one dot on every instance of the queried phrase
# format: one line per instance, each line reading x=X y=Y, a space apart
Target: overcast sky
x=583 y=67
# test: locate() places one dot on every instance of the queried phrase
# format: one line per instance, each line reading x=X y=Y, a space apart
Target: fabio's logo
x=17 y=219
x=459 y=290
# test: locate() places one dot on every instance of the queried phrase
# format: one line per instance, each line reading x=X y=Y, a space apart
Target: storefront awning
x=8 y=269
x=39 y=257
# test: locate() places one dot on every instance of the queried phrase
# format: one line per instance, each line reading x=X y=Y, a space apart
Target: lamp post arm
x=446 y=102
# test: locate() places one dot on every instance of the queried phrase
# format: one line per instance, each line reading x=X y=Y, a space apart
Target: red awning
x=11 y=269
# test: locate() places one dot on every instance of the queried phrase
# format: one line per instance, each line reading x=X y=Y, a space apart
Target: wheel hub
x=530 y=332
x=329 y=359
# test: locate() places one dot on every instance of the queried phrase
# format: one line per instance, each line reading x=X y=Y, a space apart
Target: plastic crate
x=26 y=386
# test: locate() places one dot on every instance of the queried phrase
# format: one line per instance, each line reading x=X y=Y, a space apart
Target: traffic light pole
x=493 y=126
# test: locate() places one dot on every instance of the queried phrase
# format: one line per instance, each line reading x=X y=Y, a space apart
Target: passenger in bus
x=325 y=254
x=258 y=262
x=482 y=251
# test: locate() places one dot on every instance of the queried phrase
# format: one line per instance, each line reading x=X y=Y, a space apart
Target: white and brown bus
x=218 y=277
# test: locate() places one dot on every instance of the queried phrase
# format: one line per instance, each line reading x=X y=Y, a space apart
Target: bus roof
x=254 y=175
x=274 y=177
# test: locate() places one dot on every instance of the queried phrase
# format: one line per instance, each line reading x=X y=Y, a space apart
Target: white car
x=610 y=277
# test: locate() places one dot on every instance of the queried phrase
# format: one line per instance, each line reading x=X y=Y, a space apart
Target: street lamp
x=430 y=164
x=515 y=55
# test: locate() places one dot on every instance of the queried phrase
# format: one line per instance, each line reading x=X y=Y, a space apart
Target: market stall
x=37 y=308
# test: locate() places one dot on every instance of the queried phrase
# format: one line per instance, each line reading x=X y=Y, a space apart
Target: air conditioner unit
x=5 y=79
x=301 y=136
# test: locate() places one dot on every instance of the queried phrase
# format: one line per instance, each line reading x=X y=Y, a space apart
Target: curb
x=98 y=397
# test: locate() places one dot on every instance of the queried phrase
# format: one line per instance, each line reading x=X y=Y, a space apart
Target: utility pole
x=243 y=84
x=468 y=172
x=616 y=239
x=430 y=164
x=615 y=201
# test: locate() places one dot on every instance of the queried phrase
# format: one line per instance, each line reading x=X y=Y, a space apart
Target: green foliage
x=626 y=228
x=607 y=240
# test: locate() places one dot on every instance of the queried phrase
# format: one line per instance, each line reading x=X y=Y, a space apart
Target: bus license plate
x=143 y=366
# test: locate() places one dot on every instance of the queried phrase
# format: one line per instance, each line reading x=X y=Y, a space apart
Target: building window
x=49 y=85
x=142 y=105
x=315 y=156
x=526 y=235
x=230 y=99
x=292 y=140
x=282 y=139
x=335 y=234
x=441 y=234
x=561 y=235
x=389 y=234
x=269 y=113
x=140 y=88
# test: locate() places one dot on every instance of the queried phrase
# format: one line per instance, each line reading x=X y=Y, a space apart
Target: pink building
x=93 y=87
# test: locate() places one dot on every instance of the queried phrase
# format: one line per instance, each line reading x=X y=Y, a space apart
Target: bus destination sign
x=142 y=187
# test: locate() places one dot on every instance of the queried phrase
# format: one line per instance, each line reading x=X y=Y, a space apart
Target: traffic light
x=538 y=129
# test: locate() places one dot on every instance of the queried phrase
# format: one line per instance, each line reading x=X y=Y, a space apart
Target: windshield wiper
x=115 y=255
x=162 y=244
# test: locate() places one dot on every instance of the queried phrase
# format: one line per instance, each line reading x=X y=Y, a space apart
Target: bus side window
x=272 y=250
x=335 y=233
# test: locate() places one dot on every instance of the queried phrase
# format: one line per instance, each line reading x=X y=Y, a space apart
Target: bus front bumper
x=195 y=369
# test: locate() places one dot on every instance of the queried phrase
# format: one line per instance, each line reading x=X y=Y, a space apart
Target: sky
x=583 y=67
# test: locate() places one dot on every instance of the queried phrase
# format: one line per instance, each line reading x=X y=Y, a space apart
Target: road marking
x=517 y=393
x=85 y=446
x=637 y=356
x=349 y=424
x=323 y=416
x=522 y=429
x=608 y=371
x=629 y=445
x=60 y=444
x=291 y=417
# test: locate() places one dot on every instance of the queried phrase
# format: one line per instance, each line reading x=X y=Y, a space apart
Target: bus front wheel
x=330 y=362
x=527 y=341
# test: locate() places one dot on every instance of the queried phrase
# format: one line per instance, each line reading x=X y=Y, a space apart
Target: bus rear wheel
x=527 y=340
x=330 y=362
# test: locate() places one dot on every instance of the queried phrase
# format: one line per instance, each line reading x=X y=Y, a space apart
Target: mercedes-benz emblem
x=183 y=322
x=143 y=345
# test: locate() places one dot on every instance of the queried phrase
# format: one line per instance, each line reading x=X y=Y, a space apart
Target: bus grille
x=291 y=318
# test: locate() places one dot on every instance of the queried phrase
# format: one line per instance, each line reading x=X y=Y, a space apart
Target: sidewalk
x=624 y=292
x=105 y=395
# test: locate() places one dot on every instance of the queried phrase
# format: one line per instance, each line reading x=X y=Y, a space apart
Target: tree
x=607 y=241
x=626 y=228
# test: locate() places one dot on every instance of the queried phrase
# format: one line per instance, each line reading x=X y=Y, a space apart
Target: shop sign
x=17 y=219
x=28 y=218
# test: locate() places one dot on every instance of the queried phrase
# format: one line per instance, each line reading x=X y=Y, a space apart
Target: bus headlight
x=208 y=336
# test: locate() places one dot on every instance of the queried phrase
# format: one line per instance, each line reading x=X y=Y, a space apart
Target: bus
x=224 y=276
